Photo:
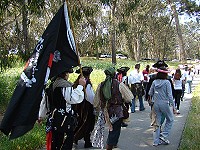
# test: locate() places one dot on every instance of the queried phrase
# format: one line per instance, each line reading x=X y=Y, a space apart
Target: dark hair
x=62 y=75
x=137 y=66
x=76 y=82
x=161 y=75
x=147 y=68
x=177 y=74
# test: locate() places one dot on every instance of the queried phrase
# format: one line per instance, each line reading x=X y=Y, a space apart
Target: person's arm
x=97 y=98
x=127 y=95
x=169 y=94
x=43 y=109
x=89 y=94
x=150 y=94
x=148 y=88
x=73 y=96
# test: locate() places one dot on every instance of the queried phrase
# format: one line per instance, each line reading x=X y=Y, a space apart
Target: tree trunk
x=25 y=27
x=113 y=34
x=178 y=28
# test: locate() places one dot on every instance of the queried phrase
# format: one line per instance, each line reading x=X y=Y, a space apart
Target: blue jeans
x=140 y=101
x=189 y=87
x=160 y=109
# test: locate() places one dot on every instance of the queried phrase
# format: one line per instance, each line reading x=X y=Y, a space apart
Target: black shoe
x=88 y=145
x=142 y=109
x=124 y=124
x=76 y=142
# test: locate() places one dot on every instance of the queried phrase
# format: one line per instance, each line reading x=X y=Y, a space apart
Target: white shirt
x=190 y=76
x=72 y=96
x=135 y=77
x=178 y=84
x=89 y=94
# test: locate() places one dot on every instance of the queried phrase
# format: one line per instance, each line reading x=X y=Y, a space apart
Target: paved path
x=138 y=134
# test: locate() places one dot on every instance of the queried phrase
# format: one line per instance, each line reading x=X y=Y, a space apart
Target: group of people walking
x=74 y=110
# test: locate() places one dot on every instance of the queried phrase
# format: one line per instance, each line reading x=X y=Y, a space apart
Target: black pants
x=177 y=96
x=62 y=140
x=113 y=135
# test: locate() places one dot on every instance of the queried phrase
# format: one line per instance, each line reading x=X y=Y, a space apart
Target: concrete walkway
x=138 y=134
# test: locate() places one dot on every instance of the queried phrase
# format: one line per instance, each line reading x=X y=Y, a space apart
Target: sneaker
x=164 y=141
x=155 y=144
x=177 y=112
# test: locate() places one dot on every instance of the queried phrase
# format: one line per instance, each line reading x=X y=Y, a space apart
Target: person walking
x=61 y=120
x=85 y=110
x=145 y=73
x=109 y=97
x=162 y=98
x=178 y=82
x=122 y=77
x=190 y=76
x=135 y=79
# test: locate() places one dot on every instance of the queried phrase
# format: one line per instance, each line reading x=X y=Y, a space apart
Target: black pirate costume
x=85 y=110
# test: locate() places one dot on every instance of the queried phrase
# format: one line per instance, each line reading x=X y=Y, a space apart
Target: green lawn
x=191 y=135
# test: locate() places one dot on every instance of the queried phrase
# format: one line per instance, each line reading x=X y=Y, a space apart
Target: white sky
x=187 y=18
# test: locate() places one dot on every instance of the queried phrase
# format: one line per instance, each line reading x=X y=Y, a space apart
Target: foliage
x=191 y=135
x=8 y=81
x=143 y=28
x=33 y=140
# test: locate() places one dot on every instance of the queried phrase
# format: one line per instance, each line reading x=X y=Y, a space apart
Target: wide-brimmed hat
x=163 y=70
x=123 y=69
x=159 y=64
x=86 y=70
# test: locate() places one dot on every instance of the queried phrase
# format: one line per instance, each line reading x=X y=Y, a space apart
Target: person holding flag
x=54 y=53
x=62 y=117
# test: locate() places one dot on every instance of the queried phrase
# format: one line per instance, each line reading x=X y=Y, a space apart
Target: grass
x=191 y=135
x=35 y=139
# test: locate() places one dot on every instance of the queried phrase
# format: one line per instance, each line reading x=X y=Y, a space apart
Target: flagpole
x=72 y=27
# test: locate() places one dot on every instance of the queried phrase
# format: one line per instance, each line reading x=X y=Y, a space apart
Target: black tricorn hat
x=86 y=70
x=123 y=69
x=159 y=64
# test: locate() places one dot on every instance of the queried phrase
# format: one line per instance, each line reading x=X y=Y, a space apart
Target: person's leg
x=178 y=98
x=113 y=136
x=133 y=104
x=175 y=97
x=57 y=139
x=68 y=142
x=156 y=136
x=183 y=91
x=190 y=86
x=169 y=120
x=156 y=132
x=88 y=144
x=141 y=103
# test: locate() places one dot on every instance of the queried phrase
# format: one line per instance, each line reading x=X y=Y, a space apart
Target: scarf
x=60 y=82
x=106 y=87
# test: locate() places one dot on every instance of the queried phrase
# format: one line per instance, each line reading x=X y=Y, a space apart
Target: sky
x=186 y=18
